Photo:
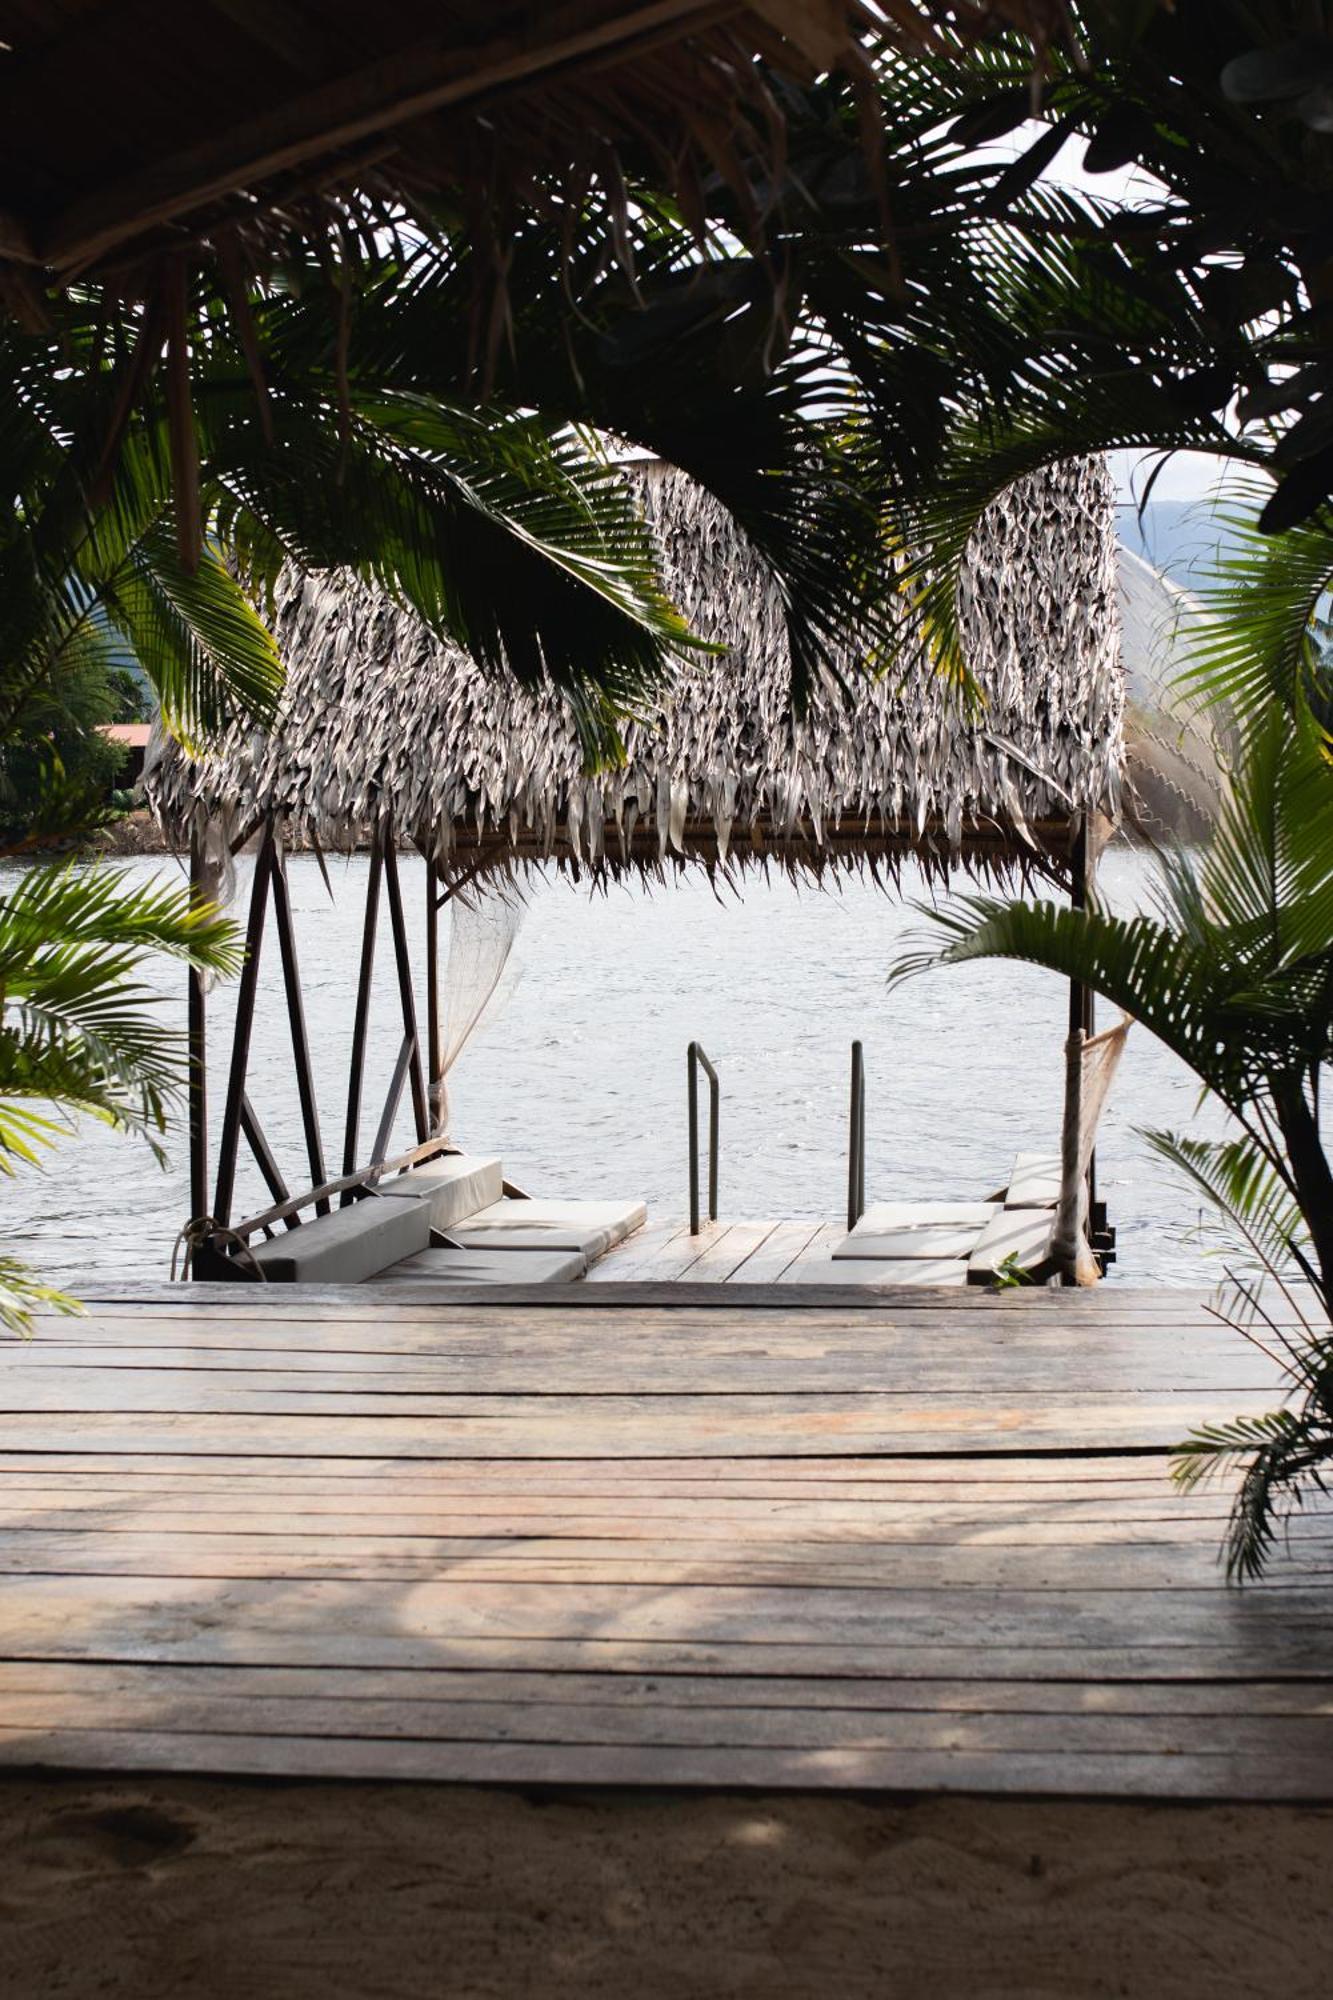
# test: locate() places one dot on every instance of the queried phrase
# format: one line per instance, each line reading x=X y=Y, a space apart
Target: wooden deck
x=648 y=1535
x=723 y=1253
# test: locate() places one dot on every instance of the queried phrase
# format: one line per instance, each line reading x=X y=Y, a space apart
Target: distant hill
x=1181 y=538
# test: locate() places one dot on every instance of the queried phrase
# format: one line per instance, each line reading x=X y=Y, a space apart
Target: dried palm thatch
x=379 y=722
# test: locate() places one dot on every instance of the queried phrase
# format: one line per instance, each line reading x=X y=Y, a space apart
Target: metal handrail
x=856 y=1142
x=695 y=1059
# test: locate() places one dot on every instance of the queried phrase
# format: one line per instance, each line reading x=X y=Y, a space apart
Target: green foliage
x=1266 y=638
x=1190 y=314
x=1234 y=1177
x=80 y=1034
x=1011 y=1275
x=1232 y=970
x=22 y=1295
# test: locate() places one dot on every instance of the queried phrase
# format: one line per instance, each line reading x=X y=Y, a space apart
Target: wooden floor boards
x=695 y=1532
x=766 y=1253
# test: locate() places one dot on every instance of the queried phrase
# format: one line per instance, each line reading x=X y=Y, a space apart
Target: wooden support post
x=240 y=1047
x=201 y=889
x=434 y=1047
x=305 y=1083
x=263 y=1153
x=406 y=1054
x=406 y=997
x=356 y=1068
x=1082 y=999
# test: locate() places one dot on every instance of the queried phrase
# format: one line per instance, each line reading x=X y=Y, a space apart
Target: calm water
x=577 y=1079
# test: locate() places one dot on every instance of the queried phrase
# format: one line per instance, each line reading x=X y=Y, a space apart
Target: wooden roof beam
x=408 y=84
x=15 y=242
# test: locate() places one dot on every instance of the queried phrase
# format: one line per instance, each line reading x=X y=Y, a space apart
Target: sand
x=204 y=1887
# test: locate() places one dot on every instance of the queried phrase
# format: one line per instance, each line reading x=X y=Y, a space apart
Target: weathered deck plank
x=735 y=1538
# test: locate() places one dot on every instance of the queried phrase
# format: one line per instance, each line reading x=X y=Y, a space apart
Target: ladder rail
x=856 y=1141
x=695 y=1060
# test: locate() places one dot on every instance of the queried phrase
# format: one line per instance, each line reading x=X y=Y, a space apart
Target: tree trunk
x=1311 y=1172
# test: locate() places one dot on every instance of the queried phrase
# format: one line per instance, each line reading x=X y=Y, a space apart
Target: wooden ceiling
x=129 y=127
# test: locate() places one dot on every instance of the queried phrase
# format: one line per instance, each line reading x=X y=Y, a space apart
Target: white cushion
x=1035 y=1181
x=885 y=1215
x=880 y=1271
x=924 y=1229
x=1021 y=1233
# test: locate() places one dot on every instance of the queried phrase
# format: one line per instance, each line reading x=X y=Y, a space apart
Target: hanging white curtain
x=1091 y=1062
x=482 y=930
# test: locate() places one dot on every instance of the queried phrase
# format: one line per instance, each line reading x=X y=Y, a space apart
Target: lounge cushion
x=1021 y=1233
x=881 y=1271
x=490 y=1267
x=882 y=1215
x=455 y=1185
x=925 y=1229
x=1035 y=1181
x=589 y=1226
x=347 y=1245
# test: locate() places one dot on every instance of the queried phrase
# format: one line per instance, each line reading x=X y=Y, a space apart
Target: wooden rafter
x=405 y=84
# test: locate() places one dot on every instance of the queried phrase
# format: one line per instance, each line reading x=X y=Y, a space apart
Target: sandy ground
x=185 y=1887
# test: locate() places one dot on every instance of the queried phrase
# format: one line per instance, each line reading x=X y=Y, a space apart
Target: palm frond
x=1173 y=984
x=1285 y=1454
x=1266 y=598
x=77 y=1031
x=22 y=1294
x=1242 y=1184
x=200 y=641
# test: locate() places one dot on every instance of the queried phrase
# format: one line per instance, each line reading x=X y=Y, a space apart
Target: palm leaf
x=1242 y=1183
x=1265 y=598
x=22 y=1294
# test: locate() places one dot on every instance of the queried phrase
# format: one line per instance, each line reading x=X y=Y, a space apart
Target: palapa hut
x=380 y=722
x=386 y=737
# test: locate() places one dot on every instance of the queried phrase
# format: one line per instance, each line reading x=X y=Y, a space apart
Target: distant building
x=134 y=737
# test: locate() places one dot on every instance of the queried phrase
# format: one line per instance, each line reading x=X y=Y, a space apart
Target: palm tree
x=328 y=418
x=1232 y=969
x=1191 y=314
x=79 y=1035
x=507 y=534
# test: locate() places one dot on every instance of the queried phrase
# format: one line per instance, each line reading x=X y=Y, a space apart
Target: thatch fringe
x=380 y=721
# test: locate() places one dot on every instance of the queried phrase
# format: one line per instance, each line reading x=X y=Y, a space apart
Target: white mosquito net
x=482 y=930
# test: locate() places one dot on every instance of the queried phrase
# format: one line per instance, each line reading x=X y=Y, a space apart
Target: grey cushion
x=347 y=1245
x=490 y=1267
x=455 y=1185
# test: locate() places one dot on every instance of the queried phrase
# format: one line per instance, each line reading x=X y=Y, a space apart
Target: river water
x=577 y=1077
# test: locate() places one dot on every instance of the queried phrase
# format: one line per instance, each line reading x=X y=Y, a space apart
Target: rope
x=202 y=1229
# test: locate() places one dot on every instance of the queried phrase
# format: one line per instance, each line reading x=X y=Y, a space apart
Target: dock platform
x=638 y=1534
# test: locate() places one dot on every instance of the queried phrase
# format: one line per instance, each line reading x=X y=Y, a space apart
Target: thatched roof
x=379 y=721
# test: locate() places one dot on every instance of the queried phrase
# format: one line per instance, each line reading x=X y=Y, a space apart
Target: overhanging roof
x=128 y=127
